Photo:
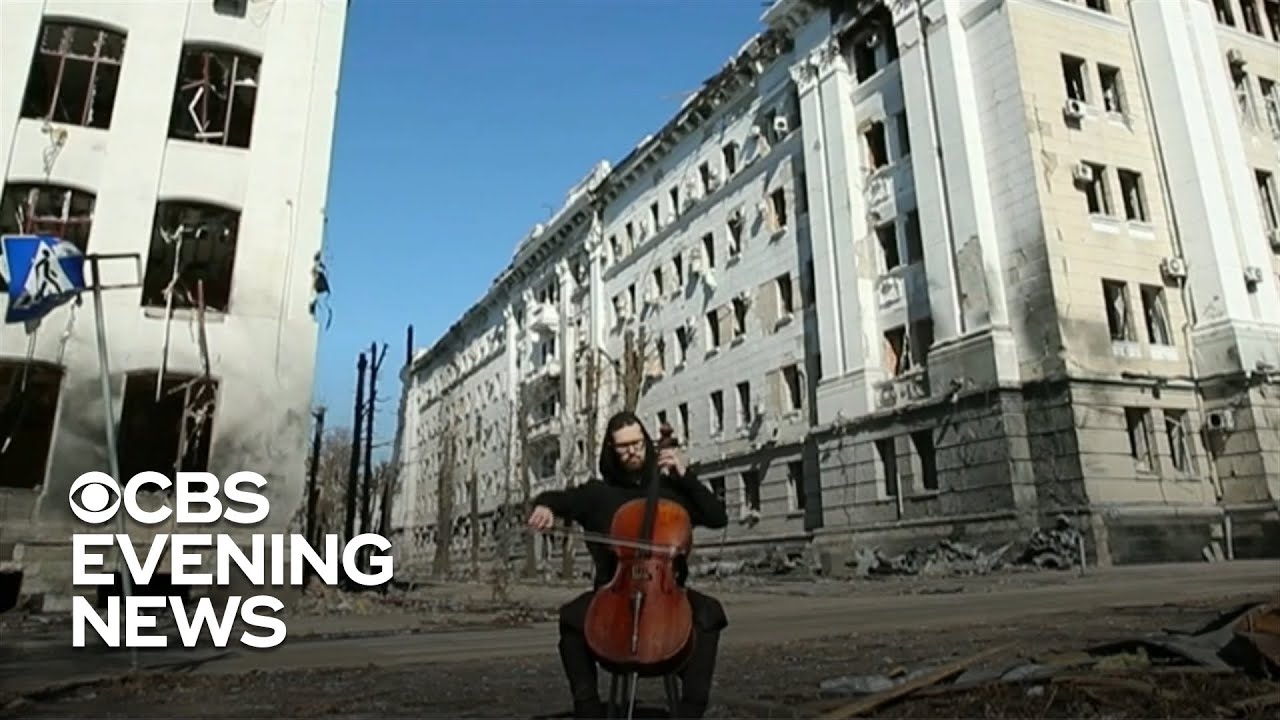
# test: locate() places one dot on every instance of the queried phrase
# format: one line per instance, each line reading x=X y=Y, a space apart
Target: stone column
x=838 y=227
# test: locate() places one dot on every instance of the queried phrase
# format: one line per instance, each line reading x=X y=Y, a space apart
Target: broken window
x=794 y=382
x=675 y=201
x=1135 y=200
x=166 y=423
x=1176 y=428
x=751 y=490
x=1138 y=426
x=786 y=301
x=682 y=412
x=871 y=44
x=876 y=147
x=1267 y=198
x=1270 y=102
x=30 y=209
x=795 y=479
x=655 y=215
x=708 y=182
x=29 y=395
x=1156 y=312
x=1097 y=197
x=1222 y=9
x=1272 y=10
x=1240 y=81
x=709 y=250
x=1252 y=21
x=739 y=317
x=730 y=153
x=677 y=263
x=735 y=226
x=192 y=256
x=662 y=418
x=682 y=342
x=896 y=360
x=778 y=209
x=717 y=412
x=631 y=298
x=1099 y=5
x=631 y=238
x=655 y=282
x=215 y=96
x=713 y=329
x=1073 y=76
x=744 y=404
x=1112 y=89
x=887 y=236
x=888 y=465
x=74 y=75
x=1116 y=296
x=922 y=443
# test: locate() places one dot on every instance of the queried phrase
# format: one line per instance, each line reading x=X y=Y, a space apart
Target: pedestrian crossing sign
x=42 y=272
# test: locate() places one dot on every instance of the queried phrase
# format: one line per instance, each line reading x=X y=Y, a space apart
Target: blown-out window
x=192 y=256
x=46 y=209
x=215 y=96
x=74 y=75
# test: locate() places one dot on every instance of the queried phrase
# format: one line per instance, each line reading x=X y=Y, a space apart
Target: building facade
x=191 y=141
x=911 y=270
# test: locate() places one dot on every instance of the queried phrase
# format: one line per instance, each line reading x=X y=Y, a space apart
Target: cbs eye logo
x=95 y=505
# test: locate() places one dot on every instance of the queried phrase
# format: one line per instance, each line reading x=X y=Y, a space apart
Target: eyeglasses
x=633 y=445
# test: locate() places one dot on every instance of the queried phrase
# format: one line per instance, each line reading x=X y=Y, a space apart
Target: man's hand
x=542 y=518
x=669 y=462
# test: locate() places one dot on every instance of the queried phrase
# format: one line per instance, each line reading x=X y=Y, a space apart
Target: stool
x=622 y=687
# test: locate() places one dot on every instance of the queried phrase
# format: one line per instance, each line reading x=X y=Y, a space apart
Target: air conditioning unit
x=1082 y=173
x=1253 y=275
x=1235 y=57
x=1220 y=420
x=1074 y=109
x=1173 y=267
x=781 y=126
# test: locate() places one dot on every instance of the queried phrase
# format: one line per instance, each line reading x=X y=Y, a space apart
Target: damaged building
x=187 y=144
x=904 y=271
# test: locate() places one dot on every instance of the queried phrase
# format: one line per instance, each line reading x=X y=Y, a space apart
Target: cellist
x=628 y=457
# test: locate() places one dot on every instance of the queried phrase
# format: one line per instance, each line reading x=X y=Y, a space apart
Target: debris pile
x=1243 y=643
x=1059 y=548
x=775 y=560
x=946 y=557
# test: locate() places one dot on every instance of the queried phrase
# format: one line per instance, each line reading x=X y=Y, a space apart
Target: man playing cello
x=627 y=457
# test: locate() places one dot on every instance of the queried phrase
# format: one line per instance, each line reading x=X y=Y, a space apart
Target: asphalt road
x=762 y=619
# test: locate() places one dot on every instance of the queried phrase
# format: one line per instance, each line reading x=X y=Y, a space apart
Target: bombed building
x=187 y=144
x=910 y=270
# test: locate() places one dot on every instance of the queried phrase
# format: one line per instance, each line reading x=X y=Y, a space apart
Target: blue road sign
x=43 y=272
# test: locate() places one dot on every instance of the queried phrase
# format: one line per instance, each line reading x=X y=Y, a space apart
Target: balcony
x=902 y=294
x=909 y=387
x=548 y=370
x=544 y=319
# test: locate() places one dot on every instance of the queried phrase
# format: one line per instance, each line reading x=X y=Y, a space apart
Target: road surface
x=764 y=619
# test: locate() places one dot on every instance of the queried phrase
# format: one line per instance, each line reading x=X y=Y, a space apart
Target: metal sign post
x=104 y=375
x=45 y=272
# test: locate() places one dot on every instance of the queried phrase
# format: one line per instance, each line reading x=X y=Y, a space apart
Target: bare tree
x=634 y=358
x=335 y=457
x=505 y=522
x=473 y=482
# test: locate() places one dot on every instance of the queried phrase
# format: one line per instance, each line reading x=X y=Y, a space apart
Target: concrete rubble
x=1243 y=642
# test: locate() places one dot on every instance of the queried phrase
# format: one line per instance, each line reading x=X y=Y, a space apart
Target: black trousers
x=580 y=665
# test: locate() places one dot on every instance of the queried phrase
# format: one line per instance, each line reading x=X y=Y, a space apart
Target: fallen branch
x=942 y=674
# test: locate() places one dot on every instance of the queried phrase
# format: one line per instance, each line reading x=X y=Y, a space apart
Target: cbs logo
x=195 y=495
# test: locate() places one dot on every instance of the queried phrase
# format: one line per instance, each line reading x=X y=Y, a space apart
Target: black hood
x=611 y=470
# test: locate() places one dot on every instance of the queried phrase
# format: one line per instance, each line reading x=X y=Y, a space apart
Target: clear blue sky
x=461 y=123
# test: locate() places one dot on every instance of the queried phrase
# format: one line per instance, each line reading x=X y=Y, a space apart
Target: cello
x=641 y=622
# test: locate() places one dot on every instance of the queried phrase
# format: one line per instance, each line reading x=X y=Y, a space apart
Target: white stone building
x=1003 y=261
x=196 y=136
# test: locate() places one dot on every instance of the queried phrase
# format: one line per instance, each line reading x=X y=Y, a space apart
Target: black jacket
x=593 y=504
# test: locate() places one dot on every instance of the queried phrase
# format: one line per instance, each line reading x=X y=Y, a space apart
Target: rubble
x=1242 y=642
